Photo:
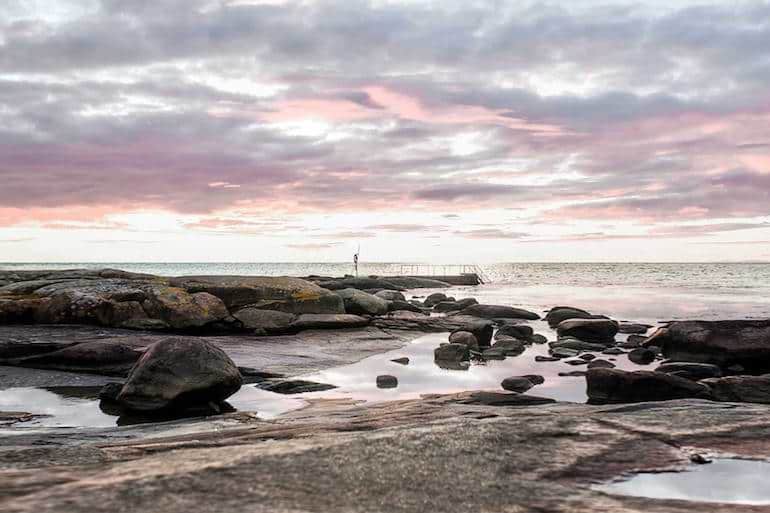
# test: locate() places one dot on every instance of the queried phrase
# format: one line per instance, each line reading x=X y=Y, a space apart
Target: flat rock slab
x=398 y=456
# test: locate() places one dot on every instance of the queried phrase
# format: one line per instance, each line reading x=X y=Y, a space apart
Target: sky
x=452 y=131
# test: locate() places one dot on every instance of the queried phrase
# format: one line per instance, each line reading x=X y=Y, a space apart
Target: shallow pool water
x=724 y=480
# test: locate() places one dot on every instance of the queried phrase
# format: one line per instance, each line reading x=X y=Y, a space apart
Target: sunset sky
x=441 y=131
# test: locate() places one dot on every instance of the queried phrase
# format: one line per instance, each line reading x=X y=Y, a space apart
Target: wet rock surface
x=498 y=312
x=617 y=386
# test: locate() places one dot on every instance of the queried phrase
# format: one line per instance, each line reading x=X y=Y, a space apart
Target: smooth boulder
x=518 y=384
x=482 y=330
x=434 y=299
x=558 y=314
x=498 y=312
x=601 y=331
x=744 y=389
x=452 y=353
x=390 y=295
x=178 y=373
x=272 y=321
x=328 y=322
x=689 y=370
x=465 y=338
x=617 y=386
x=520 y=331
x=358 y=302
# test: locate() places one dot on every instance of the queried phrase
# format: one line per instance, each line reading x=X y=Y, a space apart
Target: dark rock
x=509 y=346
x=587 y=357
x=110 y=358
x=494 y=353
x=613 y=350
x=642 y=356
x=628 y=327
x=387 y=381
x=573 y=374
x=564 y=352
x=601 y=331
x=482 y=330
x=358 y=302
x=576 y=361
x=693 y=371
x=390 y=295
x=558 y=314
x=272 y=321
x=412 y=321
x=415 y=282
x=395 y=306
x=617 y=386
x=538 y=339
x=487 y=398
x=295 y=386
x=177 y=372
x=517 y=384
x=434 y=299
x=519 y=331
x=576 y=344
x=600 y=364
x=418 y=304
x=499 y=312
x=452 y=352
x=328 y=322
x=453 y=365
x=740 y=389
x=110 y=391
x=466 y=338
x=251 y=375
x=540 y=358
x=401 y=361
x=359 y=284
x=699 y=459
x=721 y=343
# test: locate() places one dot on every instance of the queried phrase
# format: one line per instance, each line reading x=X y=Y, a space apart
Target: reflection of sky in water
x=724 y=480
x=421 y=376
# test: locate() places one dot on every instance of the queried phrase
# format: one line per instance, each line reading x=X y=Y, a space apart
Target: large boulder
x=358 y=283
x=689 y=370
x=722 y=343
x=390 y=295
x=498 y=312
x=558 y=314
x=177 y=373
x=466 y=338
x=617 y=386
x=743 y=389
x=291 y=295
x=272 y=321
x=415 y=282
x=404 y=306
x=452 y=353
x=481 y=330
x=576 y=344
x=520 y=331
x=509 y=346
x=434 y=299
x=358 y=302
x=601 y=331
x=182 y=310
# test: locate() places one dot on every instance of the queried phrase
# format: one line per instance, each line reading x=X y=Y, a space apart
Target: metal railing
x=443 y=270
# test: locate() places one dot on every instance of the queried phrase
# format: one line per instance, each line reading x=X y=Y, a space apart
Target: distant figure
x=355 y=262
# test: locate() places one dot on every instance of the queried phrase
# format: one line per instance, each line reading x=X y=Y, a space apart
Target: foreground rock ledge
x=395 y=457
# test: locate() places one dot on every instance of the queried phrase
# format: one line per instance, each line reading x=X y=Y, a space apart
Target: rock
x=182 y=310
x=417 y=303
x=251 y=375
x=617 y=386
x=482 y=330
x=110 y=391
x=641 y=356
x=538 y=339
x=613 y=350
x=509 y=346
x=628 y=327
x=452 y=353
x=328 y=322
x=401 y=361
x=387 y=381
x=434 y=299
x=494 y=353
x=721 y=343
x=487 y=398
x=540 y=358
x=412 y=321
x=518 y=384
x=578 y=345
x=179 y=372
x=15 y=310
x=558 y=314
x=600 y=364
x=498 y=312
x=740 y=389
x=455 y=306
x=110 y=358
x=295 y=386
x=466 y=338
x=358 y=283
x=563 y=352
x=520 y=331
x=587 y=357
x=576 y=361
x=573 y=374
x=454 y=366
x=272 y=321
x=396 y=306
x=291 y=295
x=693 y=371
x=391 y=295
x=358 y=302
x=600 y=331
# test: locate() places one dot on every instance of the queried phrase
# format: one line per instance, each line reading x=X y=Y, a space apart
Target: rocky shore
x=164 y=348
